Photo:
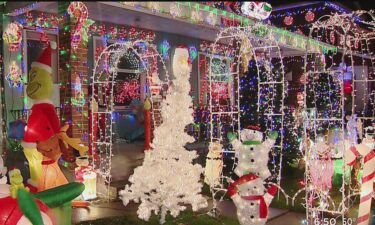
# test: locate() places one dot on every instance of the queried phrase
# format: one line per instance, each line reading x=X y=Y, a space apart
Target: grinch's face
x=50 y=148
x=40 y=84
x=16 y=177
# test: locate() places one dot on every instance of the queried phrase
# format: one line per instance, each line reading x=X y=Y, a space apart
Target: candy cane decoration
x=79 y=11
x=366 y=150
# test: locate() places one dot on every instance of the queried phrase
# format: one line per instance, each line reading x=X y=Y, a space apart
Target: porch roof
x=141 y=16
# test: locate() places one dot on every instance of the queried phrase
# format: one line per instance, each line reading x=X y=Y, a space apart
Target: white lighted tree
x=167 y=181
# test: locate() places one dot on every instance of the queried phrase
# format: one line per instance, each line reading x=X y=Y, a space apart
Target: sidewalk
x=226 y=208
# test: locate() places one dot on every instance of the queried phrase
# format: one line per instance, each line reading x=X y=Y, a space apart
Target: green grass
x=185 y=218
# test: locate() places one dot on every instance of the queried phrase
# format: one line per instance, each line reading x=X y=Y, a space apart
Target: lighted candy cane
x=367 y=152
x=80 y=9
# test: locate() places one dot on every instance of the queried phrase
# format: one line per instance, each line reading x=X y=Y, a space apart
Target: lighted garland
x=103 y=98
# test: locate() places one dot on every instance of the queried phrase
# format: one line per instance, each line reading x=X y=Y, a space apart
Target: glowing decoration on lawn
x=164 y=49
x=214 y=164
x=258 y=10
x=288 y=20
x=14 y=77
x=13 y=36
x=127 y=91
x=251 y=199
x=155 y=183
x=310 y=16
x=224 y=116
x=365 y=150
x=79 y=11
x=331 y=104
x=86 y=175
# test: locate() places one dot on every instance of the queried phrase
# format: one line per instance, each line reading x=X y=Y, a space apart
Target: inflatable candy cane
x=79 y=11
x=366 y=150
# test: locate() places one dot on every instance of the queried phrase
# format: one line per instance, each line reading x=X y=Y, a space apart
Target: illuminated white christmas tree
x=167 y=181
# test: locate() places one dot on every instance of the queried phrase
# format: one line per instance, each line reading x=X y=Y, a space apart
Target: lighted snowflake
x=126 y=91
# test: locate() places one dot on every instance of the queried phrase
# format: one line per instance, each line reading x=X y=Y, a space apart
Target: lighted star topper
x=258 y=10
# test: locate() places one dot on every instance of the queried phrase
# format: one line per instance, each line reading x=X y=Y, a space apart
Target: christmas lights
x=14 y=77
x=13 y=36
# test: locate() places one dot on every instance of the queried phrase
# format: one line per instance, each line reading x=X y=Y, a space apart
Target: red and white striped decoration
x=368 y=155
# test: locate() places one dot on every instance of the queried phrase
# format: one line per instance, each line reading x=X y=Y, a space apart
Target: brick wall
x=69 y=68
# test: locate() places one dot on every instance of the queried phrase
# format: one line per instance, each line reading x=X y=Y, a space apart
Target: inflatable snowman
x=251 y=152
x=251 y=199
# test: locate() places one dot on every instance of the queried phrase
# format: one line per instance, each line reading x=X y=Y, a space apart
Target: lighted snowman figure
x=252 y=152
x=251 y=199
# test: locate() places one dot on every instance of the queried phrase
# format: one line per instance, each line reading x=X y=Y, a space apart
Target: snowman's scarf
x=263 y=209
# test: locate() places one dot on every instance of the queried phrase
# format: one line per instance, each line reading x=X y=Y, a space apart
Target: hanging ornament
x=14 y=77
x=196 y=16
x=332 y=37
x=193 y=53
x=29 y=19
x=258 y=10
x=310 y=16
x=79 y=11
x=154 y=6
x=44 y=38
x=164 y=49
x=54 y=21
x=299 y=31
x=356 y=41
x=211 y=19
x=300 y=99
x=288 y=20
x=13 y=36
x=41 y=20
x=175 y=10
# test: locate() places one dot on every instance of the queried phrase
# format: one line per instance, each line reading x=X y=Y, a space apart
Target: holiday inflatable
x=44 y=138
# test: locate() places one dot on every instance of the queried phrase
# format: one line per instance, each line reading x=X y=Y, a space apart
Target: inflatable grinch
x=44 y=139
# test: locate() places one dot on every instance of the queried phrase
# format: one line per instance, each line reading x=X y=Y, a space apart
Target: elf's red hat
x=44 y=60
